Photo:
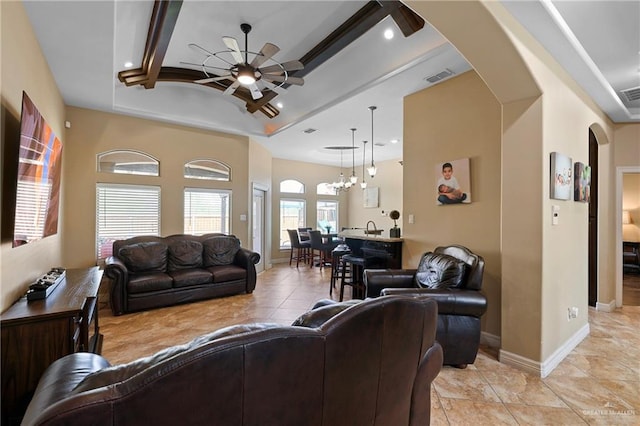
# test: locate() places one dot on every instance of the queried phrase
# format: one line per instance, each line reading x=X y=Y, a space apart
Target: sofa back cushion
x=440 y=271
x=220 y=250
x=185 y=254
x=144 y=257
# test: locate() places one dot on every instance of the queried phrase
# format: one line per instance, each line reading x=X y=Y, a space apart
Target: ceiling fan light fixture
x=246 y=76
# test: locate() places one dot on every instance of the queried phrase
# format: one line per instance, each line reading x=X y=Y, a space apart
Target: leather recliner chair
x=452 y=276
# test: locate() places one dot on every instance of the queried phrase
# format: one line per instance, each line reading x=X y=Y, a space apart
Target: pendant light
x=353 y=178
x=372 y=168
x=363 y=184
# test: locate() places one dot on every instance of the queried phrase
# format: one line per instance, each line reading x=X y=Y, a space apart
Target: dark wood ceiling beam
x=359 y=23
x=163 y=21
x=185 y=75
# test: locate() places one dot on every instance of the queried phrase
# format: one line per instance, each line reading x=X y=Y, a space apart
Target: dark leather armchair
x=452 y=276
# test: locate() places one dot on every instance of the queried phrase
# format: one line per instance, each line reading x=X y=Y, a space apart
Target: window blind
x=124 y=211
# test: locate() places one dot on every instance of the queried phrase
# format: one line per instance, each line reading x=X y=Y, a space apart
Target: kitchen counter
x=360 y=235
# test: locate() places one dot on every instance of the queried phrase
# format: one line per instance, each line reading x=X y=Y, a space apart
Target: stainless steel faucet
x=374 y=226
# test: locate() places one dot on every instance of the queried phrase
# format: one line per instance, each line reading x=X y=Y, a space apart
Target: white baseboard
x=543 y=369
x=490 y=340
x=606 y=307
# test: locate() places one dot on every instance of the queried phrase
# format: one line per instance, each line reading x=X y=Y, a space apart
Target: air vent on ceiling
x=309 y=130
x=440 y=76
x=632 y=94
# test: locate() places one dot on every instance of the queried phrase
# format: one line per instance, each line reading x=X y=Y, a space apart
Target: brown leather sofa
x=149 y=272
x=452 y=276
x=370 y=363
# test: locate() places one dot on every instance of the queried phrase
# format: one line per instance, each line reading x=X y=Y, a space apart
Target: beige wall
x=459 y=118
x=543 y=266
x=93 y=132
x=388 y=180
x=627 y=145
x=24 y=68
x=631 y=202
x=260 y=163
x=310 y=175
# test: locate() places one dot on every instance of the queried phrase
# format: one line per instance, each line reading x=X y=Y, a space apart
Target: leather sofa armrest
x=375 y=280
x=59 y=379
x=451 y=301
x=118 y=273
x=247 y=259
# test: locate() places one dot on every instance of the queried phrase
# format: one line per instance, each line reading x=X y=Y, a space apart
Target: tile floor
x=598 y=383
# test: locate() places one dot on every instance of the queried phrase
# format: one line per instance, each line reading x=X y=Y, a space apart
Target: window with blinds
x=206 y=210
x=125 y=211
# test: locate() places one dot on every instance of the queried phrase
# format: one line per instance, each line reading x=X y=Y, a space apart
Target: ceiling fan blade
x=281 y=78
x=255 y=92
x=275 y=87
x=200 y=50
x=286 y=66
x=267 y=51
x=232 y=44
x=203 y=65
x=232 y=88
x=211 y=79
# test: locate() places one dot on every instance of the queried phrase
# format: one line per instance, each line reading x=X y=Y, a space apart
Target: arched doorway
x=593 y=220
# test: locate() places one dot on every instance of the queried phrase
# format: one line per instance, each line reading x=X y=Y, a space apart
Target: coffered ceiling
x=87 y=44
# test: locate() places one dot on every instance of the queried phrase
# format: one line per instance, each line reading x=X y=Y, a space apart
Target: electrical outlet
x=572 y=312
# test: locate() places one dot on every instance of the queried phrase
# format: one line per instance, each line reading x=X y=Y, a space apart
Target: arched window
x=325 y=188
x=292 y=186
x=128 y=162
x=208 y=170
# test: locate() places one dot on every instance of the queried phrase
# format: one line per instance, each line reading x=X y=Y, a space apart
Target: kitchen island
x=371 y=245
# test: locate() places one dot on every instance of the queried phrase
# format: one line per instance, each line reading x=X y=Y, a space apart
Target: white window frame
x=189 y=215
x=284 y=235
x=335 y=228
x=126 y=202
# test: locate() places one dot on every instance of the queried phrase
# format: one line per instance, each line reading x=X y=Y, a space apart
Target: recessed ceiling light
x=279 y=105
x=388 y=33
x=128 y=64
x=394 y=141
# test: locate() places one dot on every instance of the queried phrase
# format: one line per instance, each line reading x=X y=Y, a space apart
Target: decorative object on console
x=560 y=177
x=372 y=168
x=395 y=231
x=581 y=182
x=45 y=285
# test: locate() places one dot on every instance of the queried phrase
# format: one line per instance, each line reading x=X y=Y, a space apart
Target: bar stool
x=302 y=249
x=337 y=265
x=356 y=265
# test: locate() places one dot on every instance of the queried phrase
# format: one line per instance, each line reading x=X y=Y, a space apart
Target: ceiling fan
x=244 y=73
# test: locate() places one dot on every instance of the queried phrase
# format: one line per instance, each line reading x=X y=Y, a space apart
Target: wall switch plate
x=411 y=219
x=243 y=218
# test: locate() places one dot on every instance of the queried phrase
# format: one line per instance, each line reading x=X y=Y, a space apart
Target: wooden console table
x=38 y=332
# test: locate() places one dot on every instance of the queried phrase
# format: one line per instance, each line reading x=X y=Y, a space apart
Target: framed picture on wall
x=453 y=182
x=561 y=176
x=581 y=182
x=370 y=197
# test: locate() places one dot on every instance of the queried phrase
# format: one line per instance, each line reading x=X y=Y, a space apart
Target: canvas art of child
x=453 y=182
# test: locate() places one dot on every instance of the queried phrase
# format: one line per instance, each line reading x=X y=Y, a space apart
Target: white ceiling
x=86 y=44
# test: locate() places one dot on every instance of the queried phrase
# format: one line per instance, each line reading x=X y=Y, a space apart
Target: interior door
x=257 y=233
x=593 y=221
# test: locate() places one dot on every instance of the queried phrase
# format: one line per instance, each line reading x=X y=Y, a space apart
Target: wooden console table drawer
x=36 y=333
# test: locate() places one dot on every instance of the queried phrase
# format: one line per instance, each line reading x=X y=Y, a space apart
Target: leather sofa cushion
x=144 y=257
x=149 y=282
x=224 y=273
x=189 y=277
x=440 y=271
x=119 y=373
x=323 y=311
x=185 y=254
x=220 y=250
